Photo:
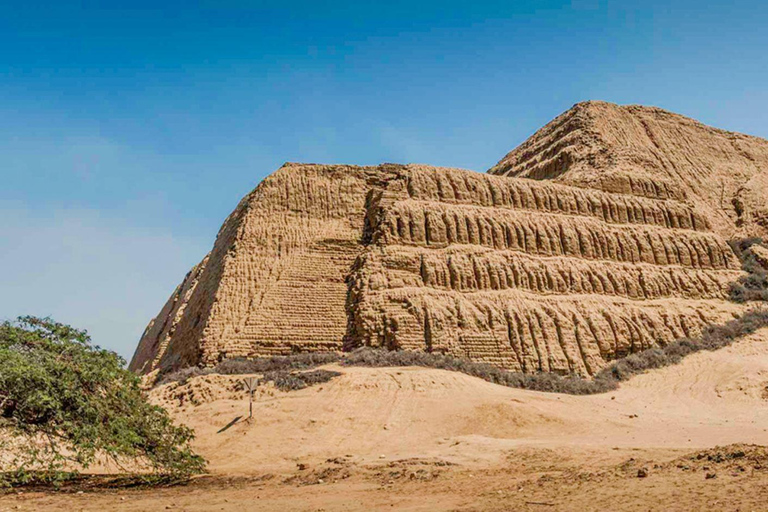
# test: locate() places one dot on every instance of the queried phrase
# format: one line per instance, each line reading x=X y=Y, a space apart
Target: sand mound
x=373 y=415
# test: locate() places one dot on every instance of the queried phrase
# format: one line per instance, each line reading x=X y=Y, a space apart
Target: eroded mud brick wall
x=534 y=276
x=601 y=235
x=648 y=151
x=522 y=274
x=275 y=280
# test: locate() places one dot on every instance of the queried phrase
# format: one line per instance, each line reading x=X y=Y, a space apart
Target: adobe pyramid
x=623 y=251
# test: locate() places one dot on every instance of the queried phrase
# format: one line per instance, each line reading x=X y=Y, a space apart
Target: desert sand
x=423 y=439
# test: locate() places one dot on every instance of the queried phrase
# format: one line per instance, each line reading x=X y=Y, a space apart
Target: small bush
x=740 y=245
x=64 y=402
x=754 y=285
x=291 y=381
x=240 y=366
x=183 y=375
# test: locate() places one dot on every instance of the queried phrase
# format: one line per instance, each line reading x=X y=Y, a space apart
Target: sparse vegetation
x=183 y=375
x=279 y=370
x=64 y=403
x=753 y=286
x=536 y=381
x=291 y=381
x=713 y=338
x=303 y=361
x=241 y=366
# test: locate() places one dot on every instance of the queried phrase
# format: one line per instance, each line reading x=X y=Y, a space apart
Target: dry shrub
x=183 y=375
x=608 y=379
x=740 y=245
x=242 y=366
x=550 y=382
x=291 y=381
x=754 y=285
x=302 y=361
x=713 y=338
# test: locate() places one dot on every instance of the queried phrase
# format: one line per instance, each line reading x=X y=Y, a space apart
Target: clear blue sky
x=129 y=131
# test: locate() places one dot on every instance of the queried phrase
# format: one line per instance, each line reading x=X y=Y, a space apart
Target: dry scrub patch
x=753 y=253
x=278 y=370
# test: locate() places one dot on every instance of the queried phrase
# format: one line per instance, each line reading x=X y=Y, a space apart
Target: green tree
x=65 y=402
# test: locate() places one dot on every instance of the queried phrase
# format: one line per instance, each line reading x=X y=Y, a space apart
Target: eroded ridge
x=472 y=268
x=436 y=224
x=456 y=186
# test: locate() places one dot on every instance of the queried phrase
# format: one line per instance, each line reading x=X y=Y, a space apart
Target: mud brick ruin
x=603 y=234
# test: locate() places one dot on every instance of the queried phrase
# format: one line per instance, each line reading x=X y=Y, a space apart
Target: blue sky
x=129 y=131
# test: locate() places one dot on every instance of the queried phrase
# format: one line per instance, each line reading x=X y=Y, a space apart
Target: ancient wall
x=615 y=247
x=649 y=151
x=534 y=276
x=275 y=280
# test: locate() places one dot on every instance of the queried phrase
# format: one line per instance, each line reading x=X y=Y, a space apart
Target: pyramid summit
x=651 y=152
x=601 y=235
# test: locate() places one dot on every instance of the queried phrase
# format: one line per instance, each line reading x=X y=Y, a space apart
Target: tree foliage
x=65 y=402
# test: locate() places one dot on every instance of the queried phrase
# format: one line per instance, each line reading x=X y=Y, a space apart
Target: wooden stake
x=250 y=385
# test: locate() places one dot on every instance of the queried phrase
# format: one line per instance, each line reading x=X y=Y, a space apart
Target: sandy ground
x=421 y=439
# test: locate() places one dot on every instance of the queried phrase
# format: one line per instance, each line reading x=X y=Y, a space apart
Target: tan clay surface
x=422 y=440
x=526 y=274
x=648 y=151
